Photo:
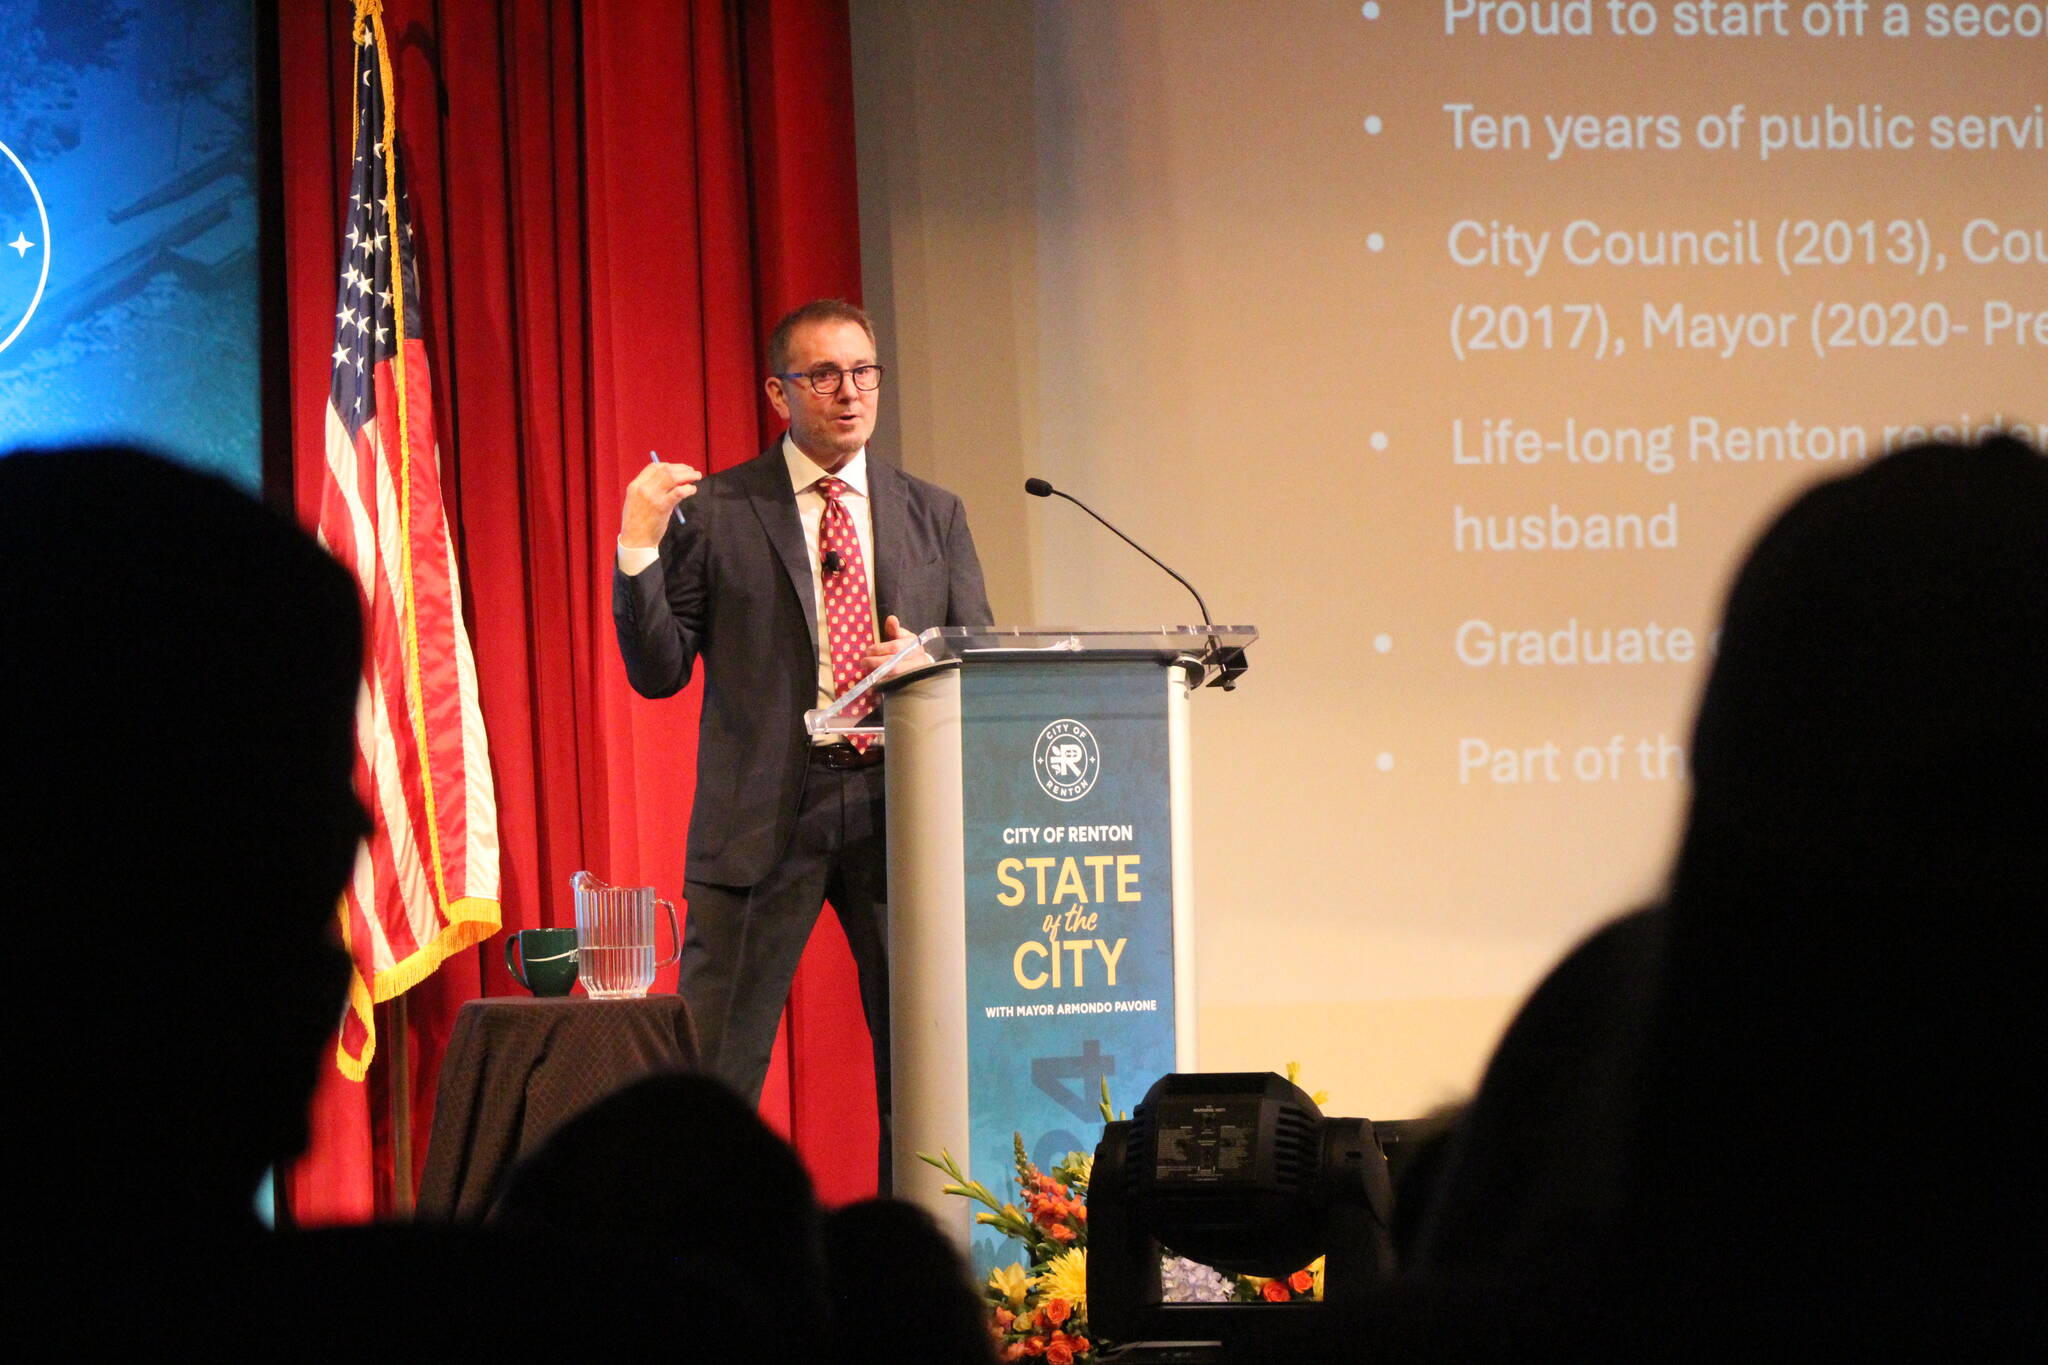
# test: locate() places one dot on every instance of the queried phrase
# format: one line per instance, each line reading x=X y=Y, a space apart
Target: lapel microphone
x=831 y=563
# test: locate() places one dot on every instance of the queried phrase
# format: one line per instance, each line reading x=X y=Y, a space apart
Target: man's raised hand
x=654 y=493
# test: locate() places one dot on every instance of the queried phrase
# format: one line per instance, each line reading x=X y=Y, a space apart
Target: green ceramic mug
x=542 y=960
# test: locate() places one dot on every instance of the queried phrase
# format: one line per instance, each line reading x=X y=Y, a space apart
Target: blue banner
x=1069 y=858
x=128 y=229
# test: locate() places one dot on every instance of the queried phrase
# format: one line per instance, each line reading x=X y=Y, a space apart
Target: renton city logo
x=1066 y=760
x=18 y=297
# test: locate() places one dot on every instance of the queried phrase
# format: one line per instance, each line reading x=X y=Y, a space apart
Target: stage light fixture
x=1240 y=1171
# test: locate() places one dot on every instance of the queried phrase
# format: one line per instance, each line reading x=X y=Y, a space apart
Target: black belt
x=844 y=756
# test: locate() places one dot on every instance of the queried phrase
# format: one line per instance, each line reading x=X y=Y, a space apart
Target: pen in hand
x=653 y=458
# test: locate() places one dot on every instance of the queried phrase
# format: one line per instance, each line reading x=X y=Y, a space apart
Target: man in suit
x=793 y=575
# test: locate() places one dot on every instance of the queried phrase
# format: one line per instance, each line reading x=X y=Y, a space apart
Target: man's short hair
x=817 y=310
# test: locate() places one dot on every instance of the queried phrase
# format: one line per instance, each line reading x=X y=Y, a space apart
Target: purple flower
x=1185 y=1281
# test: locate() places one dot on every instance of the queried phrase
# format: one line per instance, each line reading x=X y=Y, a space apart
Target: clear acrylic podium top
x=1213 y=655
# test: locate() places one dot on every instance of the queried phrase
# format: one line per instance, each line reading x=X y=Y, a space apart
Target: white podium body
x=1041 y=888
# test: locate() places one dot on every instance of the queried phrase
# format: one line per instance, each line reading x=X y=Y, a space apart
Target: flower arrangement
x=1041 y=1312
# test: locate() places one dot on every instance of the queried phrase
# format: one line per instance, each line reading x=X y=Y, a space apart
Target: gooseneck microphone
x=1039 y=488
x=1228 y=663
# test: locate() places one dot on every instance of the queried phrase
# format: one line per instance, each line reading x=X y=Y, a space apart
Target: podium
x=1041 y=887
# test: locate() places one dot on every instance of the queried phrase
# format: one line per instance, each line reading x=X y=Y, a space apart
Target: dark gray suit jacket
x=734 y=587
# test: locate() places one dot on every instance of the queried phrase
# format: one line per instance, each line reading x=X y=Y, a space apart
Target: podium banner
x=1069 y=903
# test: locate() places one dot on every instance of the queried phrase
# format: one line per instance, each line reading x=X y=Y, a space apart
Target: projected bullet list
x=1635 y=316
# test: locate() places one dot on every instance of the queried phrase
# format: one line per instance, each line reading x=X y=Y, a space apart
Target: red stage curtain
x=613 y=202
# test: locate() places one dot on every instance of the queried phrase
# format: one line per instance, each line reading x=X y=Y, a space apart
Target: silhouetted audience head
x=1793 y=1108
x=1532 y=1172
x=178 y=669
x=674 y=1183
x=900 y=1290
x=1875 y=709
x=1856 y=911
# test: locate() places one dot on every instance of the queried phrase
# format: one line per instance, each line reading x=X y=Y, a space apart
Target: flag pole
x=399 y=1060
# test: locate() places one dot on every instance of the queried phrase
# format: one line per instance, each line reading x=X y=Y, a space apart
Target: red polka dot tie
x=849 y=616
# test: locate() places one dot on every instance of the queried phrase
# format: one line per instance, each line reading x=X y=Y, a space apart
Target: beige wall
x=1126 y=246
x=949 y=256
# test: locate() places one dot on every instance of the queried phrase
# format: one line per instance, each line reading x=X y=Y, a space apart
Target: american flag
x=426 y=880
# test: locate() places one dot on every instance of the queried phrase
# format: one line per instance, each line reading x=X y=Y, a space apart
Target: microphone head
x=831 y=562
x=1038 y=488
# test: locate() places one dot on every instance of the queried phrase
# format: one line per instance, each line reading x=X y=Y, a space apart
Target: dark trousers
x=741 y=944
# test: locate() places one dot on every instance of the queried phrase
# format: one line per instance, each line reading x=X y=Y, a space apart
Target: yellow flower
x=1011 y=1283
x=1321 y=1097
x=1315 y=1270
x=1065 y=1277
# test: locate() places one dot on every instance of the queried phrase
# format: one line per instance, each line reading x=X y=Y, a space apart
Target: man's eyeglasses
x=826 y=379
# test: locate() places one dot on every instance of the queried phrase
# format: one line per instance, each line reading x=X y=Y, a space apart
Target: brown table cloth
x=518 y=1067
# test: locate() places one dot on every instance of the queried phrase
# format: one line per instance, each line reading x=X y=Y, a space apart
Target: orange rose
x=1004 y=1317
x=1056 y=1312
x=1275 y=1292
x=1060 y=1232
x=1034 y=1346
x=1014 y=1351
x=1080 y=1345
x=1059 y=1353
x=1301 y=1282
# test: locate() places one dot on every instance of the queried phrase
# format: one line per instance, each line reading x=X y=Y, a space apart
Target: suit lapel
x=774 y=502
x=889 y=506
